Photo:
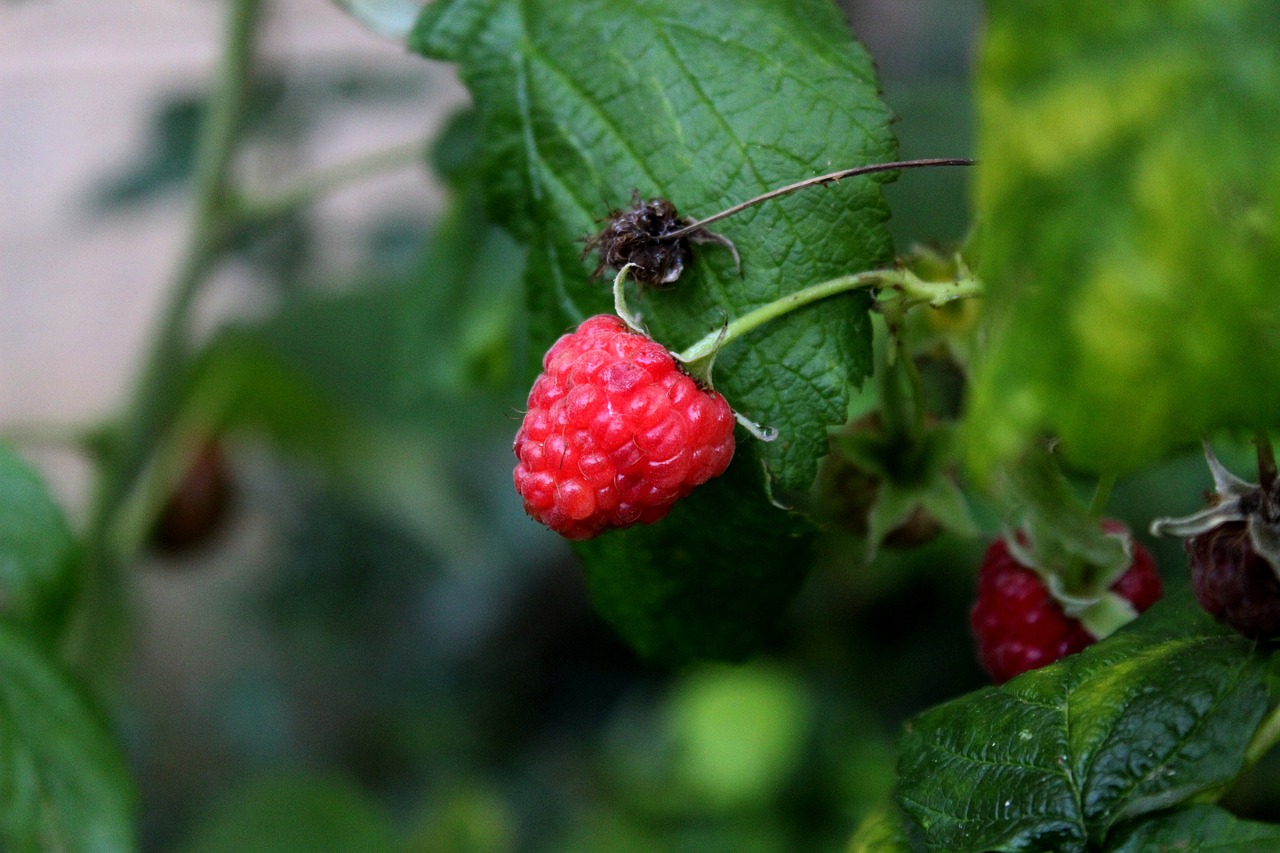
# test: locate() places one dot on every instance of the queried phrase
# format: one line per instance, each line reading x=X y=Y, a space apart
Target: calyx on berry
x=1063 y=579
x=642 y=236
x=1233 y=547
x=1020 y=625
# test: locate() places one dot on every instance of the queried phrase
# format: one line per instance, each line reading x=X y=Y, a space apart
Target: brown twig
x=831 y=178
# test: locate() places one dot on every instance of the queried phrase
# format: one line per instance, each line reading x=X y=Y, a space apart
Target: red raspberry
x=1020 y=626
x=615 y=432
x=1233 y=582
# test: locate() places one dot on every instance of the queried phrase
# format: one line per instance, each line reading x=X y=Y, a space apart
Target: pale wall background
x=79 y=80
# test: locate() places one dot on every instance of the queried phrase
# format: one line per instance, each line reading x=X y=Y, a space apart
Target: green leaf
x=885 y=830
x=295 y=814
x=1156 y=714
x=1203 y=829
x=1129 y=189
x=64 y=785
x=706 y=105
x=675 y=597
x=37 y=550
x=582 y=101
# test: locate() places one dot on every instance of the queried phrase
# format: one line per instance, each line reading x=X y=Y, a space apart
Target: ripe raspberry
x=1020 y=626
x=615 y=432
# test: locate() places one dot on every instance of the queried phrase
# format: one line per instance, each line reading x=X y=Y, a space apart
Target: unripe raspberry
x=1020 y=626
x=615 y=432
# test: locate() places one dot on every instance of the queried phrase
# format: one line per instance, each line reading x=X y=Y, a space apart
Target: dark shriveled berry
x=638 y=235
x=615 y=433
x=1233 y=546
x=653 y=238
x=1233 y=582
x=199 y=504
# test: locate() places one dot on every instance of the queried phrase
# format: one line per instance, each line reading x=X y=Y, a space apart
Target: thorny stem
x=831 y=178
x=153 y=397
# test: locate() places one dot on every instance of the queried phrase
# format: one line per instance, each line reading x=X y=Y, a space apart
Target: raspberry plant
x=1112 y=304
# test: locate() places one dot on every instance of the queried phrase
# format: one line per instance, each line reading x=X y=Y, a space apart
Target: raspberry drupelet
x=1020 y=626
x=615 y=432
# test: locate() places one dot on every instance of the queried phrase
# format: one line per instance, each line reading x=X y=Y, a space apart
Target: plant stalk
x=1266 y=461
x=98 y=622
x=1266 y=737
x=906 y=285
x=153 y=400
x=311 y=187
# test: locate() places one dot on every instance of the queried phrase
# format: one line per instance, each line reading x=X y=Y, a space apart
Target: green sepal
x=1057 y=534
x=910 y=474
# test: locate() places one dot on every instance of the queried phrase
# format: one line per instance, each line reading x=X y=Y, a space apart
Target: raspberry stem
x=895 y=284
x=1102 y=494
x=1266 y=461
x=1266 y=737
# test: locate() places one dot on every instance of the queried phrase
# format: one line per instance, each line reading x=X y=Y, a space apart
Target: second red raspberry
x=1020 y=626
x=615 y=433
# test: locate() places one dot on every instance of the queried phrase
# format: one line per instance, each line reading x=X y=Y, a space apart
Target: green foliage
x=63 y=784
x=1202 y=828
x=37 y=551
x=579 y=103
x=1129 y=199
x=1052 y=761
x=706 y=582
x=458 y=328
x=738 y=734
x=295 y=814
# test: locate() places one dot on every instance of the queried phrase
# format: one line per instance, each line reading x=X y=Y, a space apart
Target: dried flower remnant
x=652 y=236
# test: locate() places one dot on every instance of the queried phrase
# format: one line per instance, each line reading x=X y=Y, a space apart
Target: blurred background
x=364 y=644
